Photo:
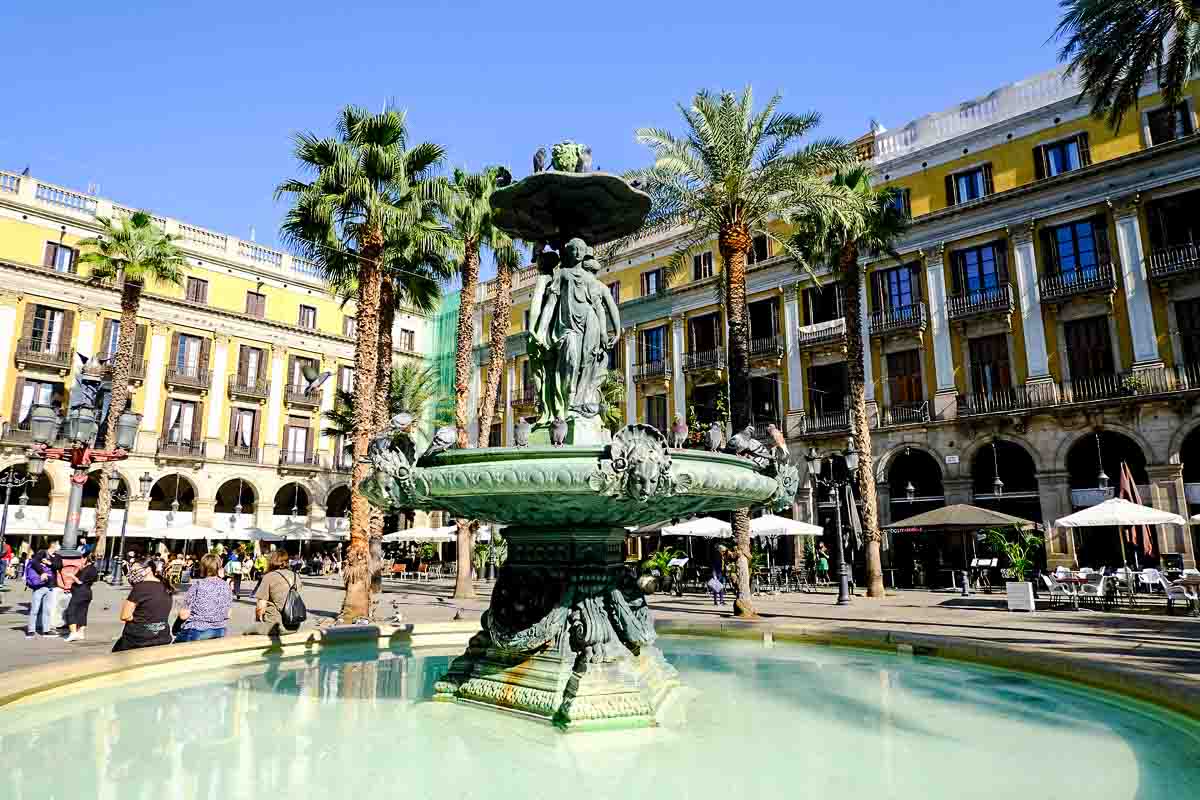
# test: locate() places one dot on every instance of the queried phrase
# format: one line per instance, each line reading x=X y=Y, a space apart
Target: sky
x=188 y=108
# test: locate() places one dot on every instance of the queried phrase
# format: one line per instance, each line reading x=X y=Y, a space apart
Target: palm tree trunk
x=131 y=296
x=860 y=426
x=734 y=244
x=383 y=387
x=501 y=307
x=357 y=602
x=464 y=366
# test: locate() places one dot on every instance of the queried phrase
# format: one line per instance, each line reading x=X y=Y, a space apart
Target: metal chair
x=1095 y=589
x=1179 y=591
x=1058 y=591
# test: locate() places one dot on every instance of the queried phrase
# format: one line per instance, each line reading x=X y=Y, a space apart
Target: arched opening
x=36 y=493
x=915 y=486
x=1094 y=468
x=91 y=490
x=291 y=500
x=1189 y=457
x=1016 y=493
x=173 y=493
x=337 y=504
x=235 y=496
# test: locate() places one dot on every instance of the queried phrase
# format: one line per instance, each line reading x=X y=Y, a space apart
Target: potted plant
x=657 y=569
x=1019 y=551
x=1133 y=384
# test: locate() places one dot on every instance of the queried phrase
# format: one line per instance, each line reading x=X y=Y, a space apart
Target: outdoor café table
x=1075 y=581
x=1193 y=583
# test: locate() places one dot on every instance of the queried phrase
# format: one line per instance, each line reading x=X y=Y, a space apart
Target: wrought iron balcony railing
x=980 y=303
x=650 y=370
x=773 y=346
x=243 y=454
x=297 y=396
x=299 y=459
x=1175 y=261
x=703 y=359
x=188 y=376
x=43 y=353
x=897 y=319
x=1101 y=279
x=904 y=413
x=180 y=449
x=249 y=387
x=822 y=334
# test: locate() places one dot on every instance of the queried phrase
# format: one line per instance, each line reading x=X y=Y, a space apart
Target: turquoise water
x=790 y=721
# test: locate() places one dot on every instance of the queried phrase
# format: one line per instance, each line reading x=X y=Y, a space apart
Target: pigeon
x=716 y=437
x=745 y=444
x=457 y=615
x=539 y=160
x=777 y=437
x=636 y=183
x=313 y=380
x=678 y=434
x=443 y=439
x=521 y=432
x=558 y=432
x=401 y=423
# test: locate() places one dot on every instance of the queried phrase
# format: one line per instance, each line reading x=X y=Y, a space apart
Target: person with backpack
x=233 y=573
x=39 y=578
x=81 y=598
x=279 y=609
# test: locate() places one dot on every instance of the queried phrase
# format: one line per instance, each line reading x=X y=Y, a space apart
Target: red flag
x=1129 y=491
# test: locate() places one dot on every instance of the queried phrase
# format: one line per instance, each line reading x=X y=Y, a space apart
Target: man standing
x=6 y=555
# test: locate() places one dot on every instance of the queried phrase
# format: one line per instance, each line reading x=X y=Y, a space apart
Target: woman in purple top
x=208 y=604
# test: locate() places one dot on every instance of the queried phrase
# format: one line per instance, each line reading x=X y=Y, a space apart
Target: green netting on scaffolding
x=445 y=343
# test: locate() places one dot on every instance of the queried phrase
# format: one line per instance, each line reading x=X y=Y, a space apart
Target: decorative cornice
x=1125 y=205
x=1021 y=232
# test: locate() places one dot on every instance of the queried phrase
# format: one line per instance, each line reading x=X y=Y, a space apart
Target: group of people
x=214 y=583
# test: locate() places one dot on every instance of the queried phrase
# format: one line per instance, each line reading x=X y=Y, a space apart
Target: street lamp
x=10 y=481
x=114 y=485
x=79 y=431
x=835 y=484
x=997 y=485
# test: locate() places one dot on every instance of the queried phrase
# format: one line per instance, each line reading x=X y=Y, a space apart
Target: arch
x=1190 y=445
x=982 y=444
x=1082 y=462
x=1018 y=470
x=37 y=493
x=918 y=466
x=292 y=495
x=337 y=502
x=91 y=489
x=1065 y=447
x=234 y=492
x=883 y=465
x=1179 y=439
x=163 y=493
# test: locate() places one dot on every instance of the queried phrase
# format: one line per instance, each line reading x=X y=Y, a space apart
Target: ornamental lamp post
x=835 y=484
x=114 y=484
x=10 y=481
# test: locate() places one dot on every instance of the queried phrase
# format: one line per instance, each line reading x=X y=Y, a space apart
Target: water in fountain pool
x=787 y=721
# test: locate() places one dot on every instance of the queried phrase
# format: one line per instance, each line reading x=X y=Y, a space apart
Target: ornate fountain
x=568 y=637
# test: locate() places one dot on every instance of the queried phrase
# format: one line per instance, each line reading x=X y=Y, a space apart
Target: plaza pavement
x=1164 y=650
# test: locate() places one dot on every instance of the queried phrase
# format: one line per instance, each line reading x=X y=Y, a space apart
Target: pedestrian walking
x=81 y=599
x=716 y=581
x=207 y=605
x=272 y=594
x=233 y=573
x=6 y=555
x=147 y=609
x=40 y=579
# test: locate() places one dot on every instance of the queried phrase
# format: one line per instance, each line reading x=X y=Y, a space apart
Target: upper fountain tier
x=555 y=206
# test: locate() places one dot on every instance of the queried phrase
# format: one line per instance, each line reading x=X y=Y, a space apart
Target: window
x=991 y=373
x=764 y=318
x=59 y=257
x=256 y=304
x=296 y=440
x=525 y=320
x=978 y=270
x=111 y=338
x=250 y=365
x=1187 y=313
x=702 y=265
x=654 y=345
x=181 y=421
x=1077 y=250
x=187 y=354
x=760 y=249
x=349 y=324
x=828 y=388
x=614 y=289
x=48 y=324
x=308 y=317
x=971 y=184
x=704 y=333
x=1168 y=123
x=704 y=400
x=901 y=200
x=35 y=393
x=494 y=436
x=1062 y=156
x=1089 y=348
x=823 y=303
x=897 y=290
x=654 y=281
x=904 y=377
x=346 y=379
x=241 y=430
x=1174 y=222
x=408 y=340
x=197 y=291
x=656 y=411
x=343 y=455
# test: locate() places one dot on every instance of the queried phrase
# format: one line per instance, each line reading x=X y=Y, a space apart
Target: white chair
x=1151 y=579
x=1178 y=591
x=1062 y=572
x=1085 y=571
x=1058 y=591
x=1095 y=588
x=1123 y=581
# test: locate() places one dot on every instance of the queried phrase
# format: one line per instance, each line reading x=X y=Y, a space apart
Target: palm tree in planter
x=733 y=171
x=136 y=251
x=838 y=241
x=367 y=188
x=1112 y=44
x=470 y=218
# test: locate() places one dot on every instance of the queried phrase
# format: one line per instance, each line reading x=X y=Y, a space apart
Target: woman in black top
x=147 y=609
x=81 y=599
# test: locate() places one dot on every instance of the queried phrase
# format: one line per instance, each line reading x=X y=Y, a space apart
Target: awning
x=772 y=525
x=447 y=534
x=959 y=517
x=701 y=527
x=1119 y=511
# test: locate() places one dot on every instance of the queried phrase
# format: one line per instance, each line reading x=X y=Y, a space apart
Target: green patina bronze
x=568 y=637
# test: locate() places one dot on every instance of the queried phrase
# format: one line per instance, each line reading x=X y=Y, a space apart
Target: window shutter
x=174 y=349
x=243 y=363
x=139 y=342
x=916 y=282
x=254 y=430
x=1039 y=162
x=308 y=443
x=48 y=255
x=1085 y=152
x=956 y=272
x=106 y=339
x=289 y=379
x=233 y=417
x=1049 y=256
x=198 y=423
x=1100 y=234
x=988 y=186
x=66 y=340
x=27 y=323
x=16 y=406
x=164 y=426
x=205 y=344
x=1000 y=250
x=950 y=190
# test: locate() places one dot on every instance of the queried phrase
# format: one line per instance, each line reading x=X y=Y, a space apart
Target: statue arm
x=614 y=314
x=535 y=305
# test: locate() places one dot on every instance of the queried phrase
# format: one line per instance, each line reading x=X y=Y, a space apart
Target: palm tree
x=411 y=387
x=838 y=243
x=612 y=400
x=732 y=172
x=1112 y=44
x=508 y=259
x=470 y=217
x=368 y=189
x=136 y=251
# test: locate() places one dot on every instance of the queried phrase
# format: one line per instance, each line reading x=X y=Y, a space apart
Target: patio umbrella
x=1119 y=512
x=447 y=534
x=703 y=527
x=772 y=526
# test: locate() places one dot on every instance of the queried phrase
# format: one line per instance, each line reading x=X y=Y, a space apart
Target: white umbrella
x=771 y=525
x=703 y=527
x=447 y=534
x=1121 y=512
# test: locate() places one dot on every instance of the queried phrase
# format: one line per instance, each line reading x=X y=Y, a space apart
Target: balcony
x=904 y=414
x=1174 y=263
x=773 y=347
x=824 y=423
x=828 y=335
x=179 y=450
x=343 y=462
x=981 y=303
x=525 y=397
x=699 y=360
x=188 y=376
x=297 y=397
x=761 y=433
x=16 y=432
x=1065 y=286
x=659 y=369
x=299 y=460
x=243 y=454
x=249 y=388
x=39 y=353
x=899 y=319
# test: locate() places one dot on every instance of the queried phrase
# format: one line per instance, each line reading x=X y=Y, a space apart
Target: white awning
x=447 y=534
x=702 y=527
x=772 y=525
x=1119 y=511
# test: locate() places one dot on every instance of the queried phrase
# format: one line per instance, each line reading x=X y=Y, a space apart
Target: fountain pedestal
x=568 y=637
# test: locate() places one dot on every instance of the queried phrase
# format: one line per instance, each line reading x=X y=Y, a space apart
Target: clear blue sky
x=188 y=111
